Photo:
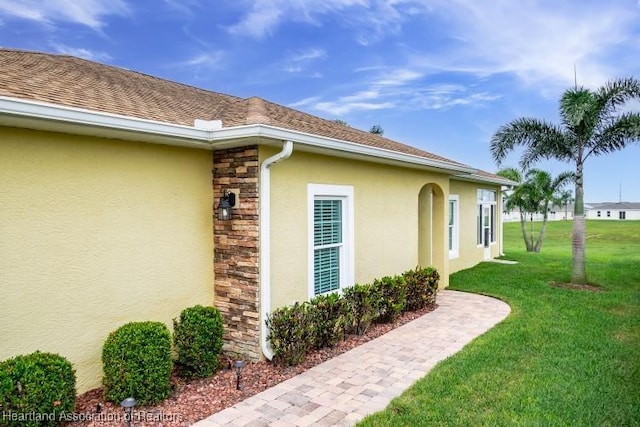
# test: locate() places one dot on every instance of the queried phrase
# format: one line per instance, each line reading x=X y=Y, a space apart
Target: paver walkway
x=362 y=381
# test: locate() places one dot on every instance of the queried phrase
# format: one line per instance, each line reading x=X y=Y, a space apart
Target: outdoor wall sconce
x=239 y=367
x=227 y=201
x=128 y=405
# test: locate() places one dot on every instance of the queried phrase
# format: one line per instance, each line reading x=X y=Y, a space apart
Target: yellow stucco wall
x=95 y=233
x=470 y=253
x=386 y=218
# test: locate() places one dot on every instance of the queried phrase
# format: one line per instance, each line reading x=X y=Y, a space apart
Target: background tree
x=547 y=190
x=376 y=130
x=341 y=122
x=533 y=195
x=591 y=125
x=565 y=198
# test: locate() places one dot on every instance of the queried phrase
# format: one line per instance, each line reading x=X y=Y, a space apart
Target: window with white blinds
x=330 y=238
x=327 y=244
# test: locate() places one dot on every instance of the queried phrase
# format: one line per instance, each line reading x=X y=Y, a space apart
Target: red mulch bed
x=191 y=401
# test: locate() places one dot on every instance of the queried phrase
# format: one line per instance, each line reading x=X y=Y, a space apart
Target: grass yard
x=562 y=358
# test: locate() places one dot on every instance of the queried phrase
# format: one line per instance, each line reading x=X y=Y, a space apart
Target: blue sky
x=441 y=75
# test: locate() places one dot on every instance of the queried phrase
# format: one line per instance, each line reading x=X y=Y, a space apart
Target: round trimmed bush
x=197 y=336
x=40 y=384
x=136 y=360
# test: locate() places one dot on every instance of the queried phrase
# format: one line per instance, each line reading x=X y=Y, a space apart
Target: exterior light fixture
x=227 y=201
x=239 y=365
x=128 y=405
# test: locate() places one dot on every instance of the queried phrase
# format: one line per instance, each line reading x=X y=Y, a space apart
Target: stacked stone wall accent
x=236 y=251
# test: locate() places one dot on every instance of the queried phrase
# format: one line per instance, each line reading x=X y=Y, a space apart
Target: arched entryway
x=431 y=227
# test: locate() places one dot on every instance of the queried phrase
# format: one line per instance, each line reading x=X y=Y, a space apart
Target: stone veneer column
x=236 y=251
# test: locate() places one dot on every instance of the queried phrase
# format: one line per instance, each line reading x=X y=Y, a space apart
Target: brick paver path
x=362 y=381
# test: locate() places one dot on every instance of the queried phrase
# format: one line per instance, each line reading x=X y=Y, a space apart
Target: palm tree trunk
x=538 y=245
x=523 y=226
x=578 y=271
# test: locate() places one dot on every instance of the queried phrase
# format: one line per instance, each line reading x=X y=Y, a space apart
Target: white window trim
x=347 y=256
x=484 y=203
x=454 y=252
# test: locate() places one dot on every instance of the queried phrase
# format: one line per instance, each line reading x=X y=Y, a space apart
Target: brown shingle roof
x=75 y=82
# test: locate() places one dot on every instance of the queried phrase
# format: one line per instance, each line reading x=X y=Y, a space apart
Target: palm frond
x=617 y=92
x=562 y=179
x=541 y=139
x=575 y=106
x=623 y=130
x=510 y=173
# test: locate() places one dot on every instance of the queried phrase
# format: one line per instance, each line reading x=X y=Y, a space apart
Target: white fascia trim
x=484 y=179
x=72 y=115
x=100 y=121
x=274 y=132
x=265 y=242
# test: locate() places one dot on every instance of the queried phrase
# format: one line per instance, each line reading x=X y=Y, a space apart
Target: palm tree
x=592 y=125
x=519 y=198
x=533 y=195
x=546 y=189
x=564 y=199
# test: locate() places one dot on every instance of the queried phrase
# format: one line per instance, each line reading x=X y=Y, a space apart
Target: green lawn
x=562 y=357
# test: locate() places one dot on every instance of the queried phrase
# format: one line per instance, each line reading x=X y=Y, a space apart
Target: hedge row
x=137 y=362
x=327 y=319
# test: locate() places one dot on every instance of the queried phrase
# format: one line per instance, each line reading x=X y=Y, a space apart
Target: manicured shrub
x=422 y=286
x=394 y=297
x=362 y=306
x=136 y=359
x=290 y=333
x=38 y=385
x=197 y=338
x=328 y=317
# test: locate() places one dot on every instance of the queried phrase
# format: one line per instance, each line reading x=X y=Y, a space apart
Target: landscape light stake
x=128 y=405
x=239 y=367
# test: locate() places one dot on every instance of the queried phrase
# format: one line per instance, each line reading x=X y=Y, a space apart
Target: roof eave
x=345 y=148
x=485 y=179
x=23 y=113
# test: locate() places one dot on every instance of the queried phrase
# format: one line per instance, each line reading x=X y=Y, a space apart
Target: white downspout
x=265 y=242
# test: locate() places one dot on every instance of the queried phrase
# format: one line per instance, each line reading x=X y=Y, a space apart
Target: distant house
x=613 y=210
x=555 y=213
x=117 y=205
x=607 y=210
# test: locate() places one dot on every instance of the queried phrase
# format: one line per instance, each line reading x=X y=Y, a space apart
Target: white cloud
x=185 y=7
x=308 y=55
x=83 y=12
x=397 y=77
x=400 y=89
x=299 y=61
x=538 y=41
x=81 y=52
x=203 y=60
x=439 y=100
x=305 y=102
x=371 y=19
x=338 y=108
